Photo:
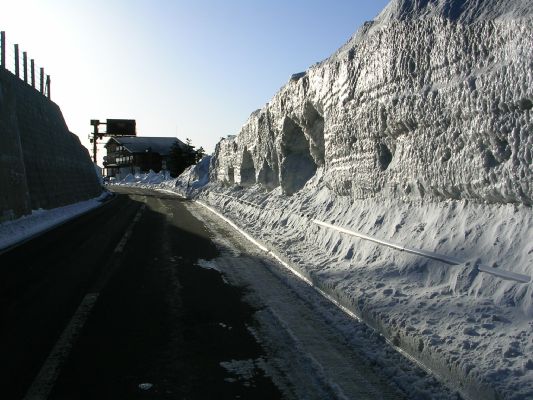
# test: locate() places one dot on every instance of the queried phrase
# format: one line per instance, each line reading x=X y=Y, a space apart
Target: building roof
x=140 y=144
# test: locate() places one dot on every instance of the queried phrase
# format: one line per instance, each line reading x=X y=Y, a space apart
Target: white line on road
x=283 y=263
x=251 y=239
x=127 y=234
x=46 y=378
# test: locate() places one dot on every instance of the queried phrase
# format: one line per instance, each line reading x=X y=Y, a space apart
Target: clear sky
x=191 y=69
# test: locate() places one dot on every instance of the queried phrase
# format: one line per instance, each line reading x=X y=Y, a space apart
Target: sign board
x=121 y=127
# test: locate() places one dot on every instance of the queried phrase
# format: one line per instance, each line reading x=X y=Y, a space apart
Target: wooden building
x=136 y=154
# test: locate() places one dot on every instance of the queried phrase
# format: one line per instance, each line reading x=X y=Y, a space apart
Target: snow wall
x=433 y=98
x=42 y=164
x=417 y=131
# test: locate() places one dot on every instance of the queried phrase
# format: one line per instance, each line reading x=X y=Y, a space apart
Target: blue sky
x=192 y=69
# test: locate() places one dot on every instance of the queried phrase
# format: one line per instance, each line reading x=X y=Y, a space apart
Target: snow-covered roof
x=140 y=144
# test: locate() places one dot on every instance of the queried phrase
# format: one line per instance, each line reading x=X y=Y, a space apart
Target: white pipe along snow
x=503 y=274
x=508 y=275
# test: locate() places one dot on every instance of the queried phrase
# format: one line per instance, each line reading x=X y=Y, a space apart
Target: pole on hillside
x=32 y=72
x=42 y=80
x=48 y=86
x=2 y=49
x=25 y=66
x=17 y=66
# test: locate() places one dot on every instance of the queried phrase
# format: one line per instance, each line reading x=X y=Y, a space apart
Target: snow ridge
x=408 y=108
x=464 y=11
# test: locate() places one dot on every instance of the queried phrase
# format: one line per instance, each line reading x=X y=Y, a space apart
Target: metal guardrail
x=13 y=55
x=503 y=274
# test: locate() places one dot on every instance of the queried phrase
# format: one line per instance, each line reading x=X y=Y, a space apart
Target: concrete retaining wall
x=42 y=164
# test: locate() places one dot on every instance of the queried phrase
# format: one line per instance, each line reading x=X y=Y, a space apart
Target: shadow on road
x=164 y=321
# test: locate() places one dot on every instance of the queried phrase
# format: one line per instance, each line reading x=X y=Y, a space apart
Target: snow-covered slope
x=418 y=131
x=471 y=328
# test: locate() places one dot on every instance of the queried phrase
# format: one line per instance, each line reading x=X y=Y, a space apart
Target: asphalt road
x=154 y=297
x=109 y=306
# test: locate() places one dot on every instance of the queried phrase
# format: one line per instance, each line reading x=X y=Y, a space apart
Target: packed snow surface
x=39 y=221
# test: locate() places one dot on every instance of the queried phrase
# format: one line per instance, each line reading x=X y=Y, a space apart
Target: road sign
x=121 y=127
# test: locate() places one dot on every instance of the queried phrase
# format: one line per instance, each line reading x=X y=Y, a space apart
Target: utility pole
x=41 y=86
x=32 y=71
x=2 y=49
x=96 y=135
x=17 y=70
x=25 y=65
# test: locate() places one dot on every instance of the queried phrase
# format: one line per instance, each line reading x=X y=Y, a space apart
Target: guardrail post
x=41 y=86
x=2 y=49
x=25 y=65
x=32 y=72
x=17 y=70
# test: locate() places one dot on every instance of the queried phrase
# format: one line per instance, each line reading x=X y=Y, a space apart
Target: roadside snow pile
x=472 y=329
x=194 y=178
x=467 y=326
x=191 y=181
x=39 y=221
x=459 y=11
x=148 y=179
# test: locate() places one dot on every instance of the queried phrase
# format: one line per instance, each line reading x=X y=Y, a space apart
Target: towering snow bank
x=433 y=99
x=418 y=131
